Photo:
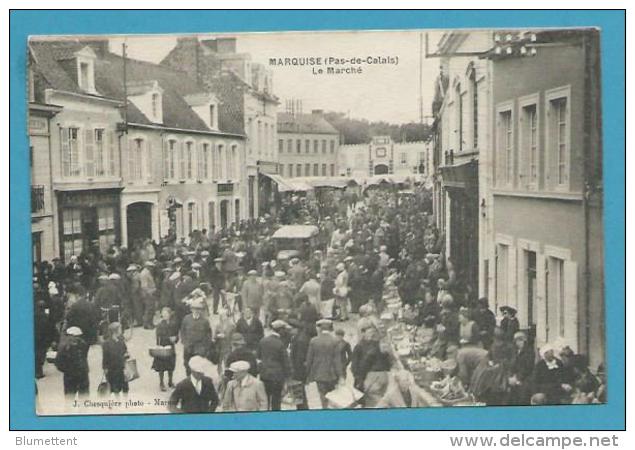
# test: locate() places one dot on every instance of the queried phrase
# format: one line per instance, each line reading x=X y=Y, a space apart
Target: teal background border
x=598 y=417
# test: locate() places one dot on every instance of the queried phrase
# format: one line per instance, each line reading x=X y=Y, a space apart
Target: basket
x=161 y=352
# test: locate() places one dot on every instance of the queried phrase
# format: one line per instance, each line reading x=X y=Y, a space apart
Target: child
x=114 y=355
x=167 y=334
x=344 y=348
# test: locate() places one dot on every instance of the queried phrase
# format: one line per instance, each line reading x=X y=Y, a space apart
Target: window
x=234 y=163
x=281 y=169
x=323 y=170
x=100 y=166
x=316 y=170
x=505 y=147
x=332 y=170
x=324 y=146
x=332 y=146
x=529 y=143
x=89 y=153
x=316 y=146
x=290 y=170
x=170 y=160
x=298 y=170
x=307 y=146
x=212 y=116
x=298 y=146
x=556 y=292
x=70 y=152
x=237 y=210
x=280 y=146
x=206 y=156
x=404 y=158
x=84 y=75
x=307 y=170
x=259 y=141
x=135 y=160
x=72 y=230
x=289 y=145
x=155 y=105
x=219 y=162
x=189 y=155
x=474 y=88
x=106 y=225
x=460 y=98
x=348 y=171
x=559 y=139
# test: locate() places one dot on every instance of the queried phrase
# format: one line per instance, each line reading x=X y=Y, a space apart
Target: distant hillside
x=356 y=131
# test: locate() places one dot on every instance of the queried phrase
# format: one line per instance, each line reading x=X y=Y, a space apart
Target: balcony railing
x=37 y=199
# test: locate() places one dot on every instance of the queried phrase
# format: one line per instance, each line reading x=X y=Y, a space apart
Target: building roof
x=304 y=124
x=176 y=85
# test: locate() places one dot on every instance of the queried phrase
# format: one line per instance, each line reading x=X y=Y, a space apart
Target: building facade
x=383 y=156
x=245 y=93
x=153 y=159
x=546 y=175
x=308 y=145
x=461 y=140
x=41 y=144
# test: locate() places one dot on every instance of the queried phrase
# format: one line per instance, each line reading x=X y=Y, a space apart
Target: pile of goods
x=450 y=390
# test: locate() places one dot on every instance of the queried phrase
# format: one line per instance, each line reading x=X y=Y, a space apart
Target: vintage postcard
x=309 y=220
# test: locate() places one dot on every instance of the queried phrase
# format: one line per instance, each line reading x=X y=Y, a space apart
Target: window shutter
x=89 y=151
x=571 y=303
x=182 y=160
x=131 y=159
x=166 y=160
x=111 y=153
x=65 y=152
x=512 y=291
x=199 y=162
x=541 y=300
x=149 y=161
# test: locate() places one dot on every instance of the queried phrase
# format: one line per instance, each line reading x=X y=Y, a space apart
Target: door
x=37 y=246
x=381 y=169
x=90 y=228
x=139 y=221
x=224 y=207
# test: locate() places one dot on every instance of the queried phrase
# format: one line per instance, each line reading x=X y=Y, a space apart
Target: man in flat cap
x=244 y=392
x=148 y=291
x=217 y=280
x=252 y=292
x=196 y=333
x=323 y=360
x=196 y=393
x=72 y=361
x=275 y=366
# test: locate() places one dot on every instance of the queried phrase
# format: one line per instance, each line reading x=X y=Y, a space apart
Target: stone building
x=308 y=145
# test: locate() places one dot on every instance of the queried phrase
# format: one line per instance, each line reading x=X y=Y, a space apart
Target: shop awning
x=283 y=185
x=296 y=185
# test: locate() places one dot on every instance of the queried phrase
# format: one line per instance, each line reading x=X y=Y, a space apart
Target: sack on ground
x=343 y=397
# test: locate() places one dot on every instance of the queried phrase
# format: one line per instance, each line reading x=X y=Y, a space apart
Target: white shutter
x=130 y=148
x=512 y=286
x=571 y=303
x=541 y=299
x=89 y=152
x=65 y=152
x=199 y=161
x=166 y=161
x=182 y=168
x=111 y=153
x=149 y=161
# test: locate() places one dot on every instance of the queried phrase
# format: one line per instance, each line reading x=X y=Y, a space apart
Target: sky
x=382 y=92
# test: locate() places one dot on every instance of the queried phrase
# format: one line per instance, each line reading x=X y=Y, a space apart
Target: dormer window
x=147 y=97
x=156 y=98
x=212 y=116
x=86 y=69
x=205 y=105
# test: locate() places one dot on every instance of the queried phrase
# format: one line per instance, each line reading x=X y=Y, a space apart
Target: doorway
x=224 y=212
x=381 y=169
x=139 y=221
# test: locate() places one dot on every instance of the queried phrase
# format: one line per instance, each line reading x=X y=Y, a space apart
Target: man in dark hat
x=240 y=352
x=486 y=321
x=509 y=323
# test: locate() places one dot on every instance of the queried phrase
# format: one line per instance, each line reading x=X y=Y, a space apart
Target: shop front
x=89 y=221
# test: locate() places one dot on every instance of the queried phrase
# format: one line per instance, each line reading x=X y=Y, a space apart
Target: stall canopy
x=283 y=185
x=295 y=185
x=296 y=232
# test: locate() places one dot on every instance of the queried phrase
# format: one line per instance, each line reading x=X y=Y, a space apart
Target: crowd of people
x=274 y=326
